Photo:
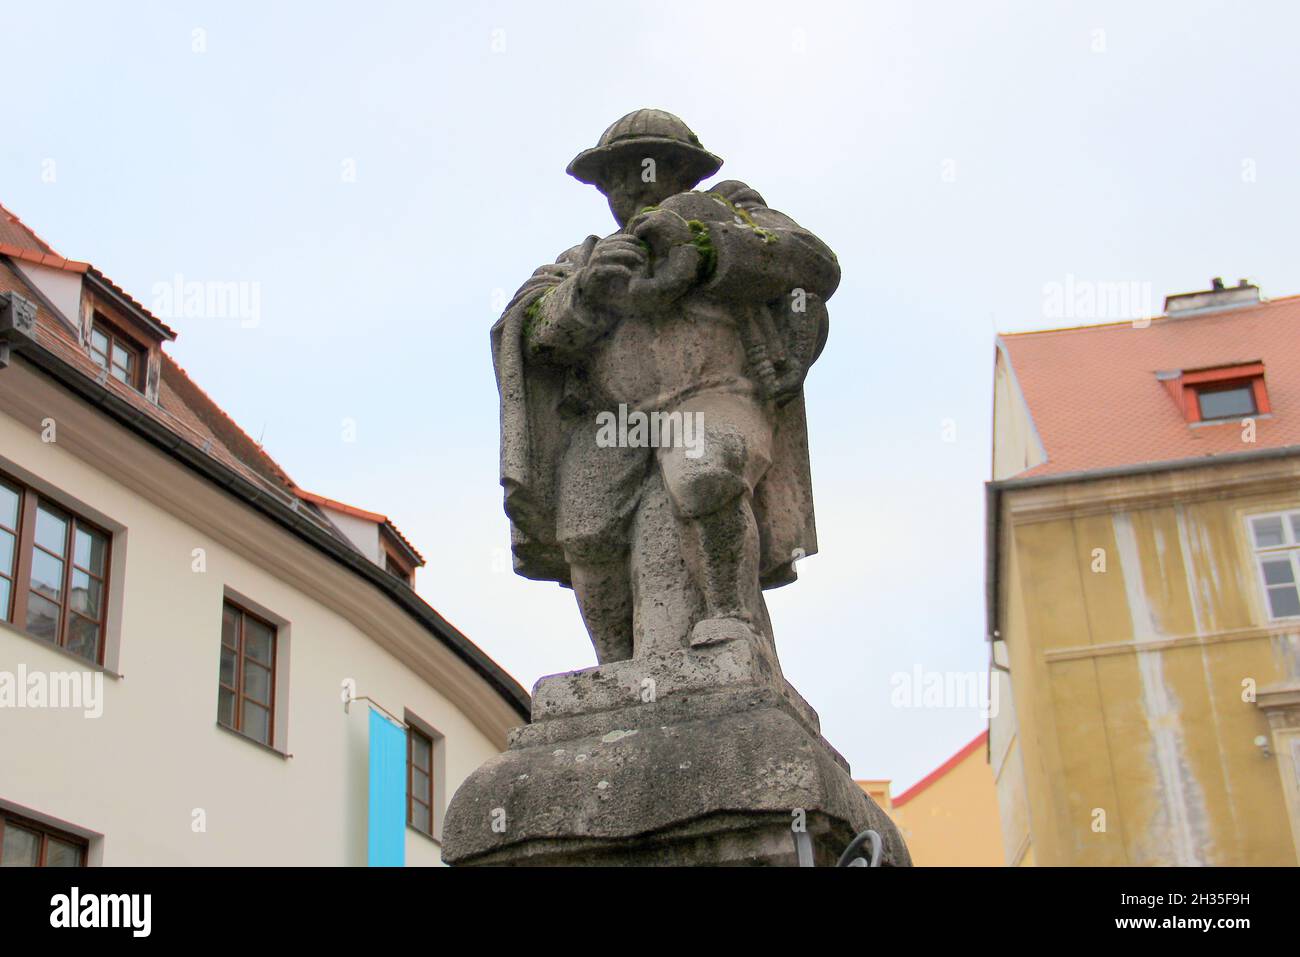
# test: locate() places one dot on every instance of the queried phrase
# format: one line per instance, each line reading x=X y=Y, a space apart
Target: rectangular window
x=111 y=350
x=1277 y=554
x=25 y=843
x=1220 y=394
x=394 y=568
x=53 y=572
x=419 y=780
x=246 y=696
x=11 y=499
x=1226 y=402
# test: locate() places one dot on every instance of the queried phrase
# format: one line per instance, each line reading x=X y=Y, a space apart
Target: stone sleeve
x=558 y=324
x=769 y=259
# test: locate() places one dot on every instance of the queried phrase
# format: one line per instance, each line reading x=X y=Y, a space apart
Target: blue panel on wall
x=386 y=845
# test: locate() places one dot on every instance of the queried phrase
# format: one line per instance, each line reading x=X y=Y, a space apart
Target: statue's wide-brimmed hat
x=646 y=133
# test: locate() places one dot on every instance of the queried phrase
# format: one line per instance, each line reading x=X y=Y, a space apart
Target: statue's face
x=626 y=186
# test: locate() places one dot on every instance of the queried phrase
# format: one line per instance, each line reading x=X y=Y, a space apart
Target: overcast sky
x=382 y=174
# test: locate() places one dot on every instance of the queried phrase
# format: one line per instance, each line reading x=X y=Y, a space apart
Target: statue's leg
x=604 y=594
x=665 y=598
x=722 y=553
x=599 y=489
x=711 y=487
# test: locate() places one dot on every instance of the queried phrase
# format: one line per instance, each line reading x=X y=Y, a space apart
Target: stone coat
x=762 y=256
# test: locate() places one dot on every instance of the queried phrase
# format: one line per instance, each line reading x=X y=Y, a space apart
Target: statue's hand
x=675 y=259
x=675 y=275
x=614 y=261
x=660 y=229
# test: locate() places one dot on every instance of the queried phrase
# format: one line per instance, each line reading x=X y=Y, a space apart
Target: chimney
x=1215 y=299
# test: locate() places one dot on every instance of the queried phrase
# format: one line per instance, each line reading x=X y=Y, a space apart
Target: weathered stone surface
x=658 y=680
x=703 y=756
x=654 y=456
x=724 y=788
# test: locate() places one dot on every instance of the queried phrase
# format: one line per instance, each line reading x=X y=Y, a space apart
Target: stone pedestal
x=700 y=756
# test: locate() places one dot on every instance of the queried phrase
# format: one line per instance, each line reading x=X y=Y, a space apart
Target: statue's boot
x=711 y=631
x=722 y=554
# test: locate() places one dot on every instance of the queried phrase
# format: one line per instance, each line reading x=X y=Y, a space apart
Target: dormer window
x=374 y=536
x=1219 y=394
x=120 y=356
x=398 y=569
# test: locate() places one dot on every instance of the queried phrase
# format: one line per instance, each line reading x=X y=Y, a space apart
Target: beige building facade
x=189 y=647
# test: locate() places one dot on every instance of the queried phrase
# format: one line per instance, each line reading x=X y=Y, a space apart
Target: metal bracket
x=851 y=858
x=17 y=324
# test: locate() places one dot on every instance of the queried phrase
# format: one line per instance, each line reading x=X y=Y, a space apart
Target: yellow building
x=950 y=817
x=1144 y=613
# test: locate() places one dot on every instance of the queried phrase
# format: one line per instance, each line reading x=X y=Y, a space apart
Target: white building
x=180 y=623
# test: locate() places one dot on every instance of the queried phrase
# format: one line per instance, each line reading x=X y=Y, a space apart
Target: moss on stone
x=532 y=312
x=743 y=218
x=702 y=241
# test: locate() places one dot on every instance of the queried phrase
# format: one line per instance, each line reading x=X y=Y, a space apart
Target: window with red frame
x=25 y=843
x=1221 y=394
x=53 y=572
x=246 y=696
x=121 y=357
x=419 y=785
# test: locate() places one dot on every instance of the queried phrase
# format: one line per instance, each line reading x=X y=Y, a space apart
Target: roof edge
x=364 y=514
x=1163 y=318
x=280 y=512
x=965 y=751
x=111 y=290
x=993 y=490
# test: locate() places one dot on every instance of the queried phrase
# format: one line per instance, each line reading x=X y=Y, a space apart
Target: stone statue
x=697 y=320
x=654 y=456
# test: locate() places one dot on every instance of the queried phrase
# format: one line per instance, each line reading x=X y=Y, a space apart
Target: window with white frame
x=1277 y=555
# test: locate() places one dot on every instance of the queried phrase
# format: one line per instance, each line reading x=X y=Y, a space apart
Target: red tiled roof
x=187 y=411
x=42 y=259
x=14 y=232
x=210 y=419
x=361 y=513
x=1096 y=403
x=341 y=506
x=171 y=409
x=18 y=241
x=182 y=406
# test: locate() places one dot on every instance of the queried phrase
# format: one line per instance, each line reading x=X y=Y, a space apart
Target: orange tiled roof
x=171 y=410
x=18 y=241
x=191 y=415
x=1096 y=403
x=14 y=232
x=182 y=406
x=361 y=513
